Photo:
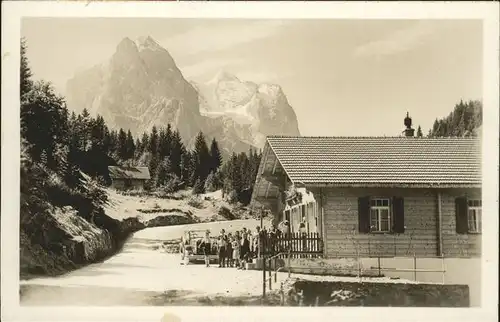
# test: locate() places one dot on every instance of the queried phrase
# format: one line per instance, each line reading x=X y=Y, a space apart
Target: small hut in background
x=128 y=178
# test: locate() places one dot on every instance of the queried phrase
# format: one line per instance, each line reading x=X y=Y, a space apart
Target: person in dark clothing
x=245 y=250
x=206 y=248
x=221 y=248
x=229 y=251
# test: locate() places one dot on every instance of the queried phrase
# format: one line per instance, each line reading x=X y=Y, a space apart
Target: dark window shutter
x=364 y=214
x=461 y=215
x=398 y=210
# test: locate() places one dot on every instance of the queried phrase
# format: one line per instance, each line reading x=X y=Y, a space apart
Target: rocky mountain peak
x=141 y=86
x=148 y=43
x=126 y=47
x=223 y=76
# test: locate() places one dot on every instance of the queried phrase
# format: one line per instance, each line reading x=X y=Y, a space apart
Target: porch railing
x=294 y=245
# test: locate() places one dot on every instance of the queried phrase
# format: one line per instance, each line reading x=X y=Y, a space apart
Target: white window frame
x=474 y=207
x=377 y=227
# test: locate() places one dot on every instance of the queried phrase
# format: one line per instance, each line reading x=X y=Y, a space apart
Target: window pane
x=472 y=220
x=373 y=218
x=385 y=202
x=384 y=214
x=384 y=225
x=479 y=217
x=373 y=202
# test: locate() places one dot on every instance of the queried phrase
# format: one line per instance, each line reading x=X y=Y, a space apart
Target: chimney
x=409 y=131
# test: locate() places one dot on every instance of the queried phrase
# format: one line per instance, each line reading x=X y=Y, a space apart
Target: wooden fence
x=297 y=245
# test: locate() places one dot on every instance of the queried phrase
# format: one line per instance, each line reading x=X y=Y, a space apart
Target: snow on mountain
x=264 y=108
x=141 y=86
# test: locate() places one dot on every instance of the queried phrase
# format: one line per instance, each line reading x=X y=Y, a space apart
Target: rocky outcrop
x=67 y=241
x=64 y=242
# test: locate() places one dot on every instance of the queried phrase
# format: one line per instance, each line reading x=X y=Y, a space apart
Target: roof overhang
x=394 y=185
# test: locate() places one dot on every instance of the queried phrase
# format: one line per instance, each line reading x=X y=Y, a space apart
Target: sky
x=350 y=77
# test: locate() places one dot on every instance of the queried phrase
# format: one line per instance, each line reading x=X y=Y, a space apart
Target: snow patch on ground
x=121 y=206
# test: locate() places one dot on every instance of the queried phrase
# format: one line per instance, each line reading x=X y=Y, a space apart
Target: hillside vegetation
x=64 y=161
x=465 y=120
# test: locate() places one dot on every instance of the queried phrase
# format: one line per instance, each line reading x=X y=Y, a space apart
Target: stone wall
x=313 y=293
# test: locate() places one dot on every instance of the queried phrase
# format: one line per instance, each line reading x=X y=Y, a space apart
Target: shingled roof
x=379 y=161
x=117 y=172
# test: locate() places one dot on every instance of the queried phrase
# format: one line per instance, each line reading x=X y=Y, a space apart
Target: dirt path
x=143 y=274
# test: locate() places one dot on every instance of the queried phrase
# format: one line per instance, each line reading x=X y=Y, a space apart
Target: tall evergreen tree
x=202 y=157
x=419 y=132
x=162 y=172
x=26 y=82
x=186 y=167
x=44 y=122
x=169 y=136
x=130 y=145
x=176 y=151
x=153 y=142
x=144 y=142
x=215 y=156
x=462 y=121
x=122 y=145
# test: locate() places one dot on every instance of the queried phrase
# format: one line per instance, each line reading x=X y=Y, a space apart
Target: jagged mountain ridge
x=141 y=86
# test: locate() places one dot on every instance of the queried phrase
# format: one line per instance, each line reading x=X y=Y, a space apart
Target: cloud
x=220 y=37
x=396 y=42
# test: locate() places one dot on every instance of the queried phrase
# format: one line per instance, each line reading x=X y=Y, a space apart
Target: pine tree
x=462 y=121
x=25 y=76
x=210 y=184
x=153 y=142
x=97 y=133
x=138 y=148
x=245 y=171
x=215 y=156
x=236 y=177
x=177 y=149
x=130 y=145
x=169 y=135
x=202 y=157
x=44 y=122
x=162 y=153
x=153 y=163
x=86 y=129
x=186 y=168
x=198 y=187
x=162 y=172
x=419 y=132
x=122 y=145
x=144 y=142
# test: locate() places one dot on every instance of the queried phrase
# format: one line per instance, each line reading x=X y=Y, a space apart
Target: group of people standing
x=235 y=250
x=238 y=248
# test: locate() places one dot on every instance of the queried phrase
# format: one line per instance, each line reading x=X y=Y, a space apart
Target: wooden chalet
x=376 y=196
x=128 y=178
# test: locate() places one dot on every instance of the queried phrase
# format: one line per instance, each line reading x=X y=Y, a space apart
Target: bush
x=195 y=201
x=232 y=196
x=210 y=184
x=172 y=184
x=198 y=187
x=226 y=213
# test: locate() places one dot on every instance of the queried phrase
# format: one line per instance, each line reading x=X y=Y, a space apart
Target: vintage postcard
x=177 y=161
